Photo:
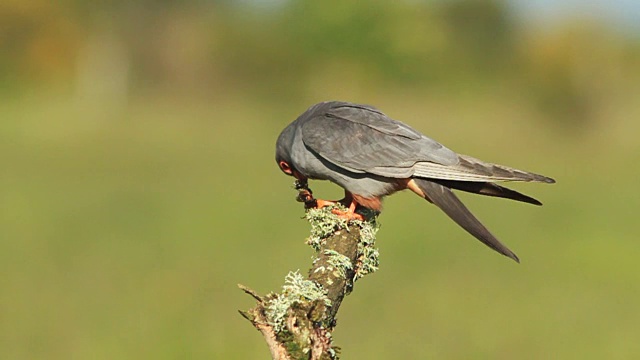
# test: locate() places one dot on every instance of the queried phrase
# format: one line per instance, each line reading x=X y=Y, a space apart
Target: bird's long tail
x=448 y=202
x=488 y=189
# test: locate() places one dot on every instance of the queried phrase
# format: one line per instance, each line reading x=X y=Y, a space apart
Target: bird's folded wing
x=364 y=140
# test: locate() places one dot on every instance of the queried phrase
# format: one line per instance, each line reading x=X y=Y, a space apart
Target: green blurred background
x=138 y=184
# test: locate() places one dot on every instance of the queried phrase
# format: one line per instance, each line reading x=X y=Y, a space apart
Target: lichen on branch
x=295 y=290
x=297 y=322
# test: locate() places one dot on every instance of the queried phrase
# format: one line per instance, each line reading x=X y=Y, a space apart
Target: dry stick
x=298 y=322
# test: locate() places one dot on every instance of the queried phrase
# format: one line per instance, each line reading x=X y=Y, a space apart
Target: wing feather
x=362 y=139
x=471 y=169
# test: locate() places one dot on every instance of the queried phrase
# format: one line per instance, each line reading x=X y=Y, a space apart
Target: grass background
x=126 y=238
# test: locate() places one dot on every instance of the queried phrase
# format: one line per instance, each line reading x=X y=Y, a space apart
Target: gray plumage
x=371 y=155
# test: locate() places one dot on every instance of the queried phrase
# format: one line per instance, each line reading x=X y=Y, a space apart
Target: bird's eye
x=285 y=167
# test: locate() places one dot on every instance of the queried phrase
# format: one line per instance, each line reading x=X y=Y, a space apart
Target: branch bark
x=297 y=323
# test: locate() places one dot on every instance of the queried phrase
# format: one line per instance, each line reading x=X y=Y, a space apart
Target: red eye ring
x=285 y=167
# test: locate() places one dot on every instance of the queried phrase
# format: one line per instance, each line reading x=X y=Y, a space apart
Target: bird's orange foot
x=349 y=214
x=306 y=196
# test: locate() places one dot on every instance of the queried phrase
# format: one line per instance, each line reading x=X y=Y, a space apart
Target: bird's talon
x=348 y=215
x=324 y=203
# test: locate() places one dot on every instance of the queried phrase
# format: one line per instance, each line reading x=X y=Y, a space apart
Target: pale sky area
x=623 y=13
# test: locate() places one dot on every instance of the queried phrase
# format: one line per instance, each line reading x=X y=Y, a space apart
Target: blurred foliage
x=138 y=184
x=281 y=47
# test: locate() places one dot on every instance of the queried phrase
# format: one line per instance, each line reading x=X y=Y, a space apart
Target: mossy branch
x=297 y=323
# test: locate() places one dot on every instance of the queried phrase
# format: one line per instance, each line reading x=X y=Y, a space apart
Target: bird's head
x=283 y=151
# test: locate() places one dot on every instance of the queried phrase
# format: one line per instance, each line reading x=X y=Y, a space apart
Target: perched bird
x=371 y=156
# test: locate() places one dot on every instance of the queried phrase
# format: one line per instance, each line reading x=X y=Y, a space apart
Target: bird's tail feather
x=488 y=189
x=448 y=202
